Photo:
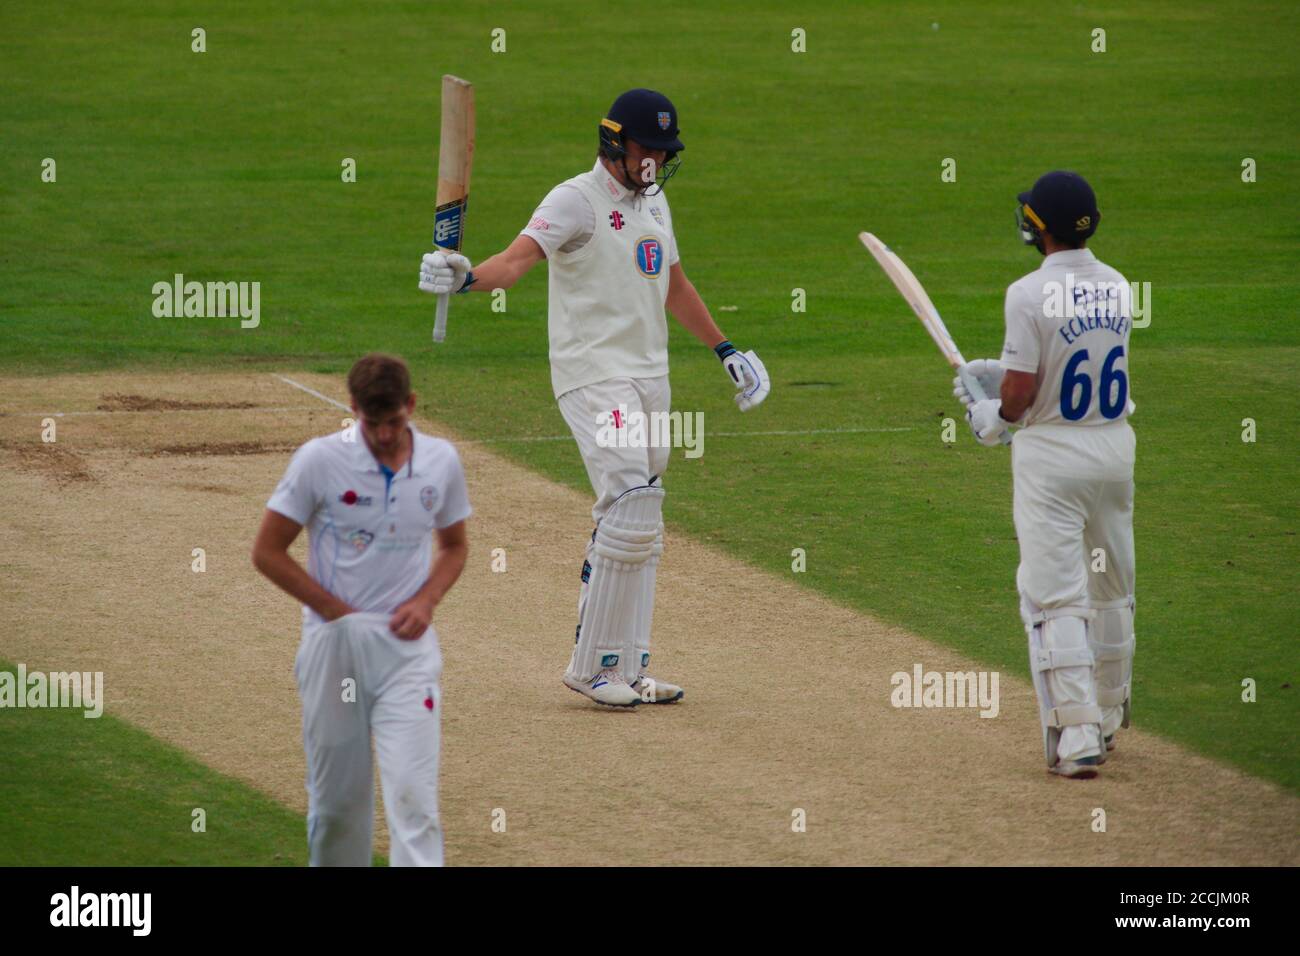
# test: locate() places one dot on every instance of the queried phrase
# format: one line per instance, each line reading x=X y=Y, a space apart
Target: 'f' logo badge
x=649 y=257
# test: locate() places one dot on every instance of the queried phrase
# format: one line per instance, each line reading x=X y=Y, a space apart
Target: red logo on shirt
x=539 y=223
x=616 y=220
x=348 y=497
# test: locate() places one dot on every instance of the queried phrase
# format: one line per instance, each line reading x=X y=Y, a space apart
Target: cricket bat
x=915 y=295
x=455 y=162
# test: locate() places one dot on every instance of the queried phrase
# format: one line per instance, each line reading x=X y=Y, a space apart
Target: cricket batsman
x=372 y=498
x=607 y=235
x=1063 y=378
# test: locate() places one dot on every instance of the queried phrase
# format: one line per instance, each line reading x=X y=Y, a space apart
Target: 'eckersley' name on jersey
x=1071 y=330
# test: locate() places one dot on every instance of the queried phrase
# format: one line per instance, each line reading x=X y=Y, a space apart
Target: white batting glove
x=443 y=272
x=986 y=421
x=987 y=372
x=748 y=373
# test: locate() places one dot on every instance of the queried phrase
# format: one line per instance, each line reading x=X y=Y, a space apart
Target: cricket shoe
x=1108 y=746
x=652 y=691
x=608 y=688
x=1085 y=768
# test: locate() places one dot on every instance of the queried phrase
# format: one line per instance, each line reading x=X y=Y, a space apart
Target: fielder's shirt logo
x=616 y=220
x=428 y=497
x=350 y=498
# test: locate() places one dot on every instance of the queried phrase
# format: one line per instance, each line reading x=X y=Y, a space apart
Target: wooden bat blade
x=455 y=161
x=455 y=164
x=915 y=295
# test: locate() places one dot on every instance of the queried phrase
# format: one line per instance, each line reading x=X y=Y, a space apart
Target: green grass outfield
x=79 y=792
x=225 y=165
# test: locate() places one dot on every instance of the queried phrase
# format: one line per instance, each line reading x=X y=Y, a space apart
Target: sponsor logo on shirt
x=658 y=214
x=539 y=223
x=649 y=256
x=616 y=220
x=361 y=540
x=351 y=498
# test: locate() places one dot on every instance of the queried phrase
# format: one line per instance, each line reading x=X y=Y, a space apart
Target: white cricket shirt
x=1068 y=322
x=371 y=540
x=609 y=251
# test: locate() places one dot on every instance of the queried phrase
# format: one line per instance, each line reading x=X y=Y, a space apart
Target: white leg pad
x=1113 y=643
x=1062 y=667
x=636 y=656
x=617 y=595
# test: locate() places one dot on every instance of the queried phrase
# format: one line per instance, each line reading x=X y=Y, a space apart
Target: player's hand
x=749 y=375
x=987 y=372
x=986 y=421
x=443 y=272
x=411 y=619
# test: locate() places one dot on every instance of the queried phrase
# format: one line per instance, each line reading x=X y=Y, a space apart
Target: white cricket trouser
x=613 y=470
x=357 y=678
x=1073 y=494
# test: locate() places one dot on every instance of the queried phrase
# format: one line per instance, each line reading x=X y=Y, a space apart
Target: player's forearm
x=447 y=567
x=290 y=576
x=500 y=271
x=1017 y=393
x=689 y=309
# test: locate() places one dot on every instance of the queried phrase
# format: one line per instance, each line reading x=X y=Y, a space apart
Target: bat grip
x=977 y=395
x=440 y=319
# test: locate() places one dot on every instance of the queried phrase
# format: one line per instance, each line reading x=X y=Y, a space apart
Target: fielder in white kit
x=1063 y=378
x=608 y=237
x=372 y=498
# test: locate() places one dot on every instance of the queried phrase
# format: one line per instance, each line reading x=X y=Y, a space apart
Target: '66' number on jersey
x=1076 y=387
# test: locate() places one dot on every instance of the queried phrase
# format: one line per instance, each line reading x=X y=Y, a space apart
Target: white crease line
x=312 y=391
x=707 y=434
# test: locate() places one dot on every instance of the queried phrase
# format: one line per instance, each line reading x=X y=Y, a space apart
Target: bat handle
x=440 y=319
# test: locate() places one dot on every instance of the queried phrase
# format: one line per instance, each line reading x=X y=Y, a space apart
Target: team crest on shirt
x=658 y=214
x=649 y=256
x=428 y=497
x=361 y=540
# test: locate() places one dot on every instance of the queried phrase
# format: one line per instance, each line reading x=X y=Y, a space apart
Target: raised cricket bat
x=914 y=293
x=455 y=162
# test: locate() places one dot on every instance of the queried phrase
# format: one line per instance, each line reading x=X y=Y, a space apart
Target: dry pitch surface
x=787 y=694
